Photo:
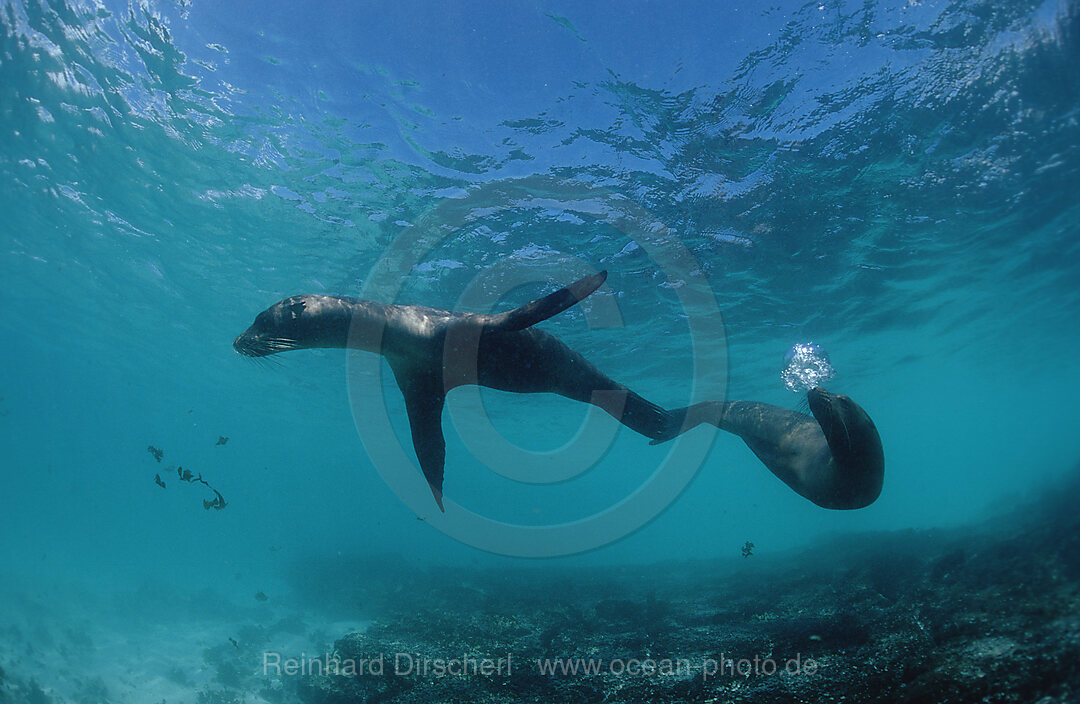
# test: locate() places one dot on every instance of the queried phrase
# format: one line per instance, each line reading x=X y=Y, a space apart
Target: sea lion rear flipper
x=424 y=400
x=544 y=308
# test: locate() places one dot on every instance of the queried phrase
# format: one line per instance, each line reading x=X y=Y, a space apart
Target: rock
x=981 y=614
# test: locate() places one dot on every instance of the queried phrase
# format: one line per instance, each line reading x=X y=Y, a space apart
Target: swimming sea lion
x=834 y=458
x=431 y=351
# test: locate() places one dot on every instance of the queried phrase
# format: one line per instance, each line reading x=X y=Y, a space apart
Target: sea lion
x=833 y=458
x=432 y=351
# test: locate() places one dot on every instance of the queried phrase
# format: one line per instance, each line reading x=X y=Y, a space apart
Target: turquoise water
x=896 y=181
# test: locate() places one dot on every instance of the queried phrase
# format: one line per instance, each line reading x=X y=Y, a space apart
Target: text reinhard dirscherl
x=417 y=665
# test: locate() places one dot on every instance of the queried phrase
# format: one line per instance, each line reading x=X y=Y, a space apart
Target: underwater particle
x=259 y=596
x=222 y=440
x=157 y=453
x=235 y=644
x=806 y=365
x=747 y=549
x=159 y=481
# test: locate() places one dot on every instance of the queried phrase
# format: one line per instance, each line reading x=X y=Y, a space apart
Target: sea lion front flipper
x=543 y=308
x=424 y=398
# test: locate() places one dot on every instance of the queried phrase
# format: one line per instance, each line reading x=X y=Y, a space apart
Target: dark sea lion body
x=432 y=351
x=833 y=458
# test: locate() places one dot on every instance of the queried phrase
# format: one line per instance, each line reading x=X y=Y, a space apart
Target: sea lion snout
x=251 y=344
x=295 y=323
x=276 y=329
x=245 y=344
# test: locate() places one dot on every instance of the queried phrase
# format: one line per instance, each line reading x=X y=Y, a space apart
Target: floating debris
x=217 y=503
x=159 y=481
x=747 y=549
x=261 y=597
x=235 y=644
x=222 y=440
x=157 y=453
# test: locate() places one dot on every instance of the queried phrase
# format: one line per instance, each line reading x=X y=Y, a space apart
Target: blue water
x=895 y=181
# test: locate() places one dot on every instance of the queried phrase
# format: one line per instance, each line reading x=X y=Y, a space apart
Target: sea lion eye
x=295 y=308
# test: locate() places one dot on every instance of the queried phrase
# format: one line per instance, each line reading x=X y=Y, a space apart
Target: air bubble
x=806 y=365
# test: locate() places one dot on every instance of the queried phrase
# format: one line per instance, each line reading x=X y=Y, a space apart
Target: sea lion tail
x=543 y=308
x=677 y=421
x=659 y=424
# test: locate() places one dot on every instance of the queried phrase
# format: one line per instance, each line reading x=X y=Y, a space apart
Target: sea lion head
x=295 y=323
x=855 y=446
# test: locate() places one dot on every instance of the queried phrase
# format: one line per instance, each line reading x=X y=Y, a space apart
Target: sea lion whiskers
x=272 y=361
x=803 y=406
x=280 y=344
x=265 y=346
x=264 y=360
